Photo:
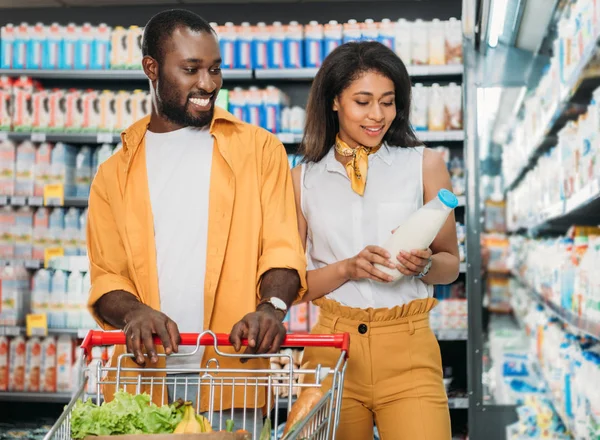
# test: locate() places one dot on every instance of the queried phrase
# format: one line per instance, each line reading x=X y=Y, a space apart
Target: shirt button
x=362 y=329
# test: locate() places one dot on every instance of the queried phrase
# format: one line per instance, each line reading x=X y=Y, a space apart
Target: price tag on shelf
x=35 y=201
x=54 y=195
x=37 y=324
x=3 y=136
x=17 y=201
x=82 y=333
x=104 y=138
x=33 y=264
x=38 y=137
x=3 y=200
x=9 y=330
x=50 y=253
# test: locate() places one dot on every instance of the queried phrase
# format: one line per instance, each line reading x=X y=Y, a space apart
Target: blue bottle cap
x=448 y=198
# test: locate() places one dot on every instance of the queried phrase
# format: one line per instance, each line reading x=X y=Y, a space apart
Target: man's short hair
x=161 y=26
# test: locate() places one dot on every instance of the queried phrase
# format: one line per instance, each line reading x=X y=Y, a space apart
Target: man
x=192 y=224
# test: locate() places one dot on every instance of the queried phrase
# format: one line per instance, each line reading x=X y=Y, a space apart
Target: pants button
x=362 y=329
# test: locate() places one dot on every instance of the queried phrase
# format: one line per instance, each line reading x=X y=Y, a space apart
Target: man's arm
x=282 y=263
x=114 y=301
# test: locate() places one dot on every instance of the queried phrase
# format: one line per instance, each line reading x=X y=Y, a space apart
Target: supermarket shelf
x=108 y=74
x=71 y=138
x=585 y=326
x=290 y=138
x=309 y=73
x=583 y=208
x=561 y=106
x=8 y=330
x=448 y=70
x=35 y=397
x=286 y=74
x=76 y=202
x=451 y=334
x=463 y=267
x=29 y=263
x=441 y=136
x=458 y=402
x=101 y=138
x=306 y=73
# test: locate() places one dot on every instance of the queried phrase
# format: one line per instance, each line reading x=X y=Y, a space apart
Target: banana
x=205 y=423
x=189 y=424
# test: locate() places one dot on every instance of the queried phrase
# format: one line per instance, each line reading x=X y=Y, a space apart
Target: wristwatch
x=276 y=303
x=425 y=269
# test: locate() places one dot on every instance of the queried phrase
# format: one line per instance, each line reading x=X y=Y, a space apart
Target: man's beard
x=169 y=106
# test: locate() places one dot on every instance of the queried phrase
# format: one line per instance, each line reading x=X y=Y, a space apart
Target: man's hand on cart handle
x=141 y=324
x=263 y=329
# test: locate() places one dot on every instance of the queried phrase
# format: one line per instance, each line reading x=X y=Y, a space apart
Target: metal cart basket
x=320 y=423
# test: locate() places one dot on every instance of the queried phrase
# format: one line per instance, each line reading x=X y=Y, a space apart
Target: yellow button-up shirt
x=252 y=228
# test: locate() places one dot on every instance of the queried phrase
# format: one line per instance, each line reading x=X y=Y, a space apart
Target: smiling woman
x=364 y=172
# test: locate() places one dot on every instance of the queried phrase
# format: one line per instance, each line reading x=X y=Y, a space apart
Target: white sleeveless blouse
x=341 y=223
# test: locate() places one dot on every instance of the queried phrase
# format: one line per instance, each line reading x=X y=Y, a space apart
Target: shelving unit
x=101 y=138
x=6 y=330
x=578 y=323
x=7 y=396
x=556 y=120
x=301 y=74
x=76 y=202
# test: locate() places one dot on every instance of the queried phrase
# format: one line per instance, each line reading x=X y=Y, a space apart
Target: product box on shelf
x=48 y=365
x=27 y=107
x=33 y=363
x=4 y=364
x=437 y=108
x=16 y=359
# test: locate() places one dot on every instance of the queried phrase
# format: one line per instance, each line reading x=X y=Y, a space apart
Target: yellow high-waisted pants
x=394 y=373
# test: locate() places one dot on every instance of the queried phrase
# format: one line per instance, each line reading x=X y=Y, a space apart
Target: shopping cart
x=319 y=424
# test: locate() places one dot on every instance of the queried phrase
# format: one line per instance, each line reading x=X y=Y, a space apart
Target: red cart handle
x=340 y=341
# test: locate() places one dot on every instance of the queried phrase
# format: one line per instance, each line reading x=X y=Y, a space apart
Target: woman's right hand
x=362 y=265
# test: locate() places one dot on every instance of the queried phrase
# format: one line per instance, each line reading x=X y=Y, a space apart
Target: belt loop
x=411 y=326
x=334 y=323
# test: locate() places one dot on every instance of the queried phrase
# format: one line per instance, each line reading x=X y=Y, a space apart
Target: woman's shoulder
x=433 y=159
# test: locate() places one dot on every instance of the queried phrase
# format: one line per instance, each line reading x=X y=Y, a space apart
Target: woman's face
x=366 y=109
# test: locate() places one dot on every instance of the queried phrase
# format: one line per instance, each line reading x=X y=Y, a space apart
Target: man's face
x=189 y=78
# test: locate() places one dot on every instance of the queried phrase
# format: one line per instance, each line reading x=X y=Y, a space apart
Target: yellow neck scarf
x=358 y=166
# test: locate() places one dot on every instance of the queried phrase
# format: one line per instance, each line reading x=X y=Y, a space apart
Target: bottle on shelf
x=244 y=46
x=294 y=46
x=260 y=46
x=332 y=36
x=387 y=33
x=313 y=44
x=7 y=41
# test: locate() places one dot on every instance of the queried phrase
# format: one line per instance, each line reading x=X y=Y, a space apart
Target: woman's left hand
x=413 y=263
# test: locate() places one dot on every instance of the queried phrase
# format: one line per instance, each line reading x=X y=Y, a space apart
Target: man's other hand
x=142 y=323
x=263 y=329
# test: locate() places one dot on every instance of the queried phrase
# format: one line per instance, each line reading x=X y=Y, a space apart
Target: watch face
x=278 y=303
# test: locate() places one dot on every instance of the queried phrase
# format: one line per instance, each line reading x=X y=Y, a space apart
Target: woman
x=364 y=173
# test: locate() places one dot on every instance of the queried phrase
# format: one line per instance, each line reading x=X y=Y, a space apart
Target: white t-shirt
x=178 y=165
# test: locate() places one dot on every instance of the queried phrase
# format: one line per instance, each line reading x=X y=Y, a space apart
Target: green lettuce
x=125 y=414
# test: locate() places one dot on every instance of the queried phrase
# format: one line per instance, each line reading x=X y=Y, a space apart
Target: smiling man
x=192 y=224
